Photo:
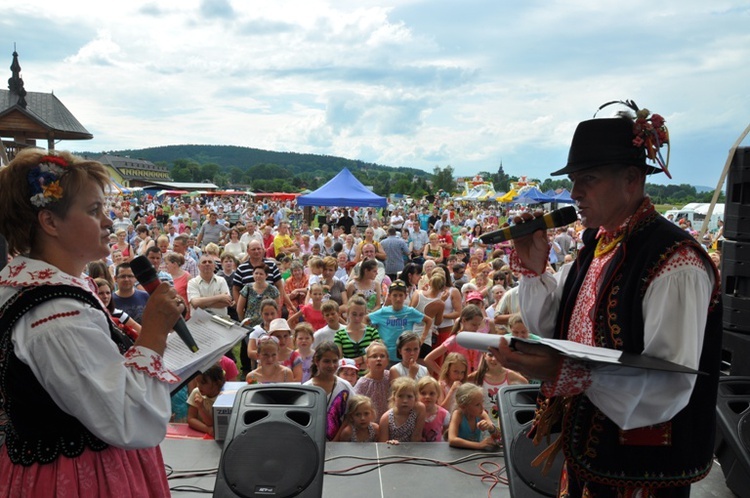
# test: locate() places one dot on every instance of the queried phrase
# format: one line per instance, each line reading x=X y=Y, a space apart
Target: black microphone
x=555 y=219
x=146 y=274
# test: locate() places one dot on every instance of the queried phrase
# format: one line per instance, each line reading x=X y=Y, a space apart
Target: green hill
x=264 y=170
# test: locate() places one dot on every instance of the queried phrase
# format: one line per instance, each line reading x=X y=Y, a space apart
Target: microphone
x=555 y=219
x=146 y=274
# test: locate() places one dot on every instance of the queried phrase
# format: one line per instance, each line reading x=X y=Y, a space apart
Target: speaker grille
x=270 y=459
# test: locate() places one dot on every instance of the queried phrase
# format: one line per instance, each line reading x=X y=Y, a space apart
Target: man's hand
x=530 y=360
x=532 y=250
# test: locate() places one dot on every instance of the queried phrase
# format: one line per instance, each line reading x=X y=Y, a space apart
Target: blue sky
x=403 y=83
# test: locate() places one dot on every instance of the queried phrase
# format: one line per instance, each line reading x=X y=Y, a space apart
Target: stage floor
x=390 y=479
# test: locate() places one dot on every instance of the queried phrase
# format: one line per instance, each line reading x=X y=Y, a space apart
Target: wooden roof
x=26 y=116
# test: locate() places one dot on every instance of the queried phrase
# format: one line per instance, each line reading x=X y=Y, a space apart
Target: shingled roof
x=35 y=115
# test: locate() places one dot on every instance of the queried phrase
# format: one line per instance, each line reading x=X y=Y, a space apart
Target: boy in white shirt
x=330 y=310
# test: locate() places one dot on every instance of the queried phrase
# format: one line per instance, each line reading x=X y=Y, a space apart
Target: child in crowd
x=330 y=311
x=269 y=311
x=303 y=339
x=325 y=363
x=491 y=376
x=518 y=328
x=452 y=375
x=469 y=420
x=315 y=268
x=470 y=320
x=279 y=328
x=348 y=371
x=269 y=370
x=392 y=321
x=357 y=336
x=377 y=380
x=360 y=427
x=437 y=418
x=201 y=400
x=285 y=267
x=404 y=421
x=407 y=350
x=104 y=290
x=311 y=312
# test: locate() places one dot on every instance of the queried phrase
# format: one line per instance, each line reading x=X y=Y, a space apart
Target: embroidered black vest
x=676 y=452
x=38 y=431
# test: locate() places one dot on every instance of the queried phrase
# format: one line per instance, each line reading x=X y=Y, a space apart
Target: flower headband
x=649 y=133
x=44 y=180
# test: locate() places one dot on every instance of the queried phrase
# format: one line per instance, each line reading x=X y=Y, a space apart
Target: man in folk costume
x=640 y=285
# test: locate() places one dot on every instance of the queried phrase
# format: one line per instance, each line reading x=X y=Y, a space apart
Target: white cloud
x=406 y=83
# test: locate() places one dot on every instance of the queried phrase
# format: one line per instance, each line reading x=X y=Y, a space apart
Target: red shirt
x=446 y=250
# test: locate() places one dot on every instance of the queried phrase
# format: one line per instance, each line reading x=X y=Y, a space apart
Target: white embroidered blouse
x=123 y=400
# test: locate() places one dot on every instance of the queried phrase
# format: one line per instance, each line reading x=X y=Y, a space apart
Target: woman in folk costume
x=86 y=407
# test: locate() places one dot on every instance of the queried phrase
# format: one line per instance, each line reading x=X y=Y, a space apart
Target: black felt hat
x=604 y=141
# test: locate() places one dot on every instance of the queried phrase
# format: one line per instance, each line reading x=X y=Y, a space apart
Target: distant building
x=26 y=117
x=128 y=172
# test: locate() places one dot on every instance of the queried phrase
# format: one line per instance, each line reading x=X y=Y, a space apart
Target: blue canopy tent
x=533 y=196
x=564 y=197
x=343 y=190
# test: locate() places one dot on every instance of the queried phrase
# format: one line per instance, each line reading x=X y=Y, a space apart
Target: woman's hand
x=161 y=313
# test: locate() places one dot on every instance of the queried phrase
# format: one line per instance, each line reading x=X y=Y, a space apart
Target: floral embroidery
x=574 y=378
x=42 y=274
x=13 y=271
x=145 y=360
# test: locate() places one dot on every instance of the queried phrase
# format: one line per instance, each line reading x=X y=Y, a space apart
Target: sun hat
x=347 y=363
x=278 y=324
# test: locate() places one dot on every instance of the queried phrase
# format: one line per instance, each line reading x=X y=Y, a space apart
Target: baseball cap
x=474 y=296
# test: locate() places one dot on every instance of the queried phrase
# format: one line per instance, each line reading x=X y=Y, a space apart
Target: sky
x=470 y=84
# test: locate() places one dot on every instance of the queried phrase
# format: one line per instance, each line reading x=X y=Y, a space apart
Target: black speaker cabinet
x=735 y=351
x=733 y=433
x=275 y=443
x=737 y=207
x=735 y=285
x=517 y=406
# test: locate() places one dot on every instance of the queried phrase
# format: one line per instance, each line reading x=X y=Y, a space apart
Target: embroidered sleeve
x=573 y=378
x=145 y=360
x=517 y=267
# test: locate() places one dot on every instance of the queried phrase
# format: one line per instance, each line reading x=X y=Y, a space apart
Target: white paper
x=213 y=340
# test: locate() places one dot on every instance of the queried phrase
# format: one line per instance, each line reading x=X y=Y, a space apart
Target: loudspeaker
x=735 y=350
x=275 y=443
x=737 y=207
x=733 y=433
x=517 y=405
x=735 y=285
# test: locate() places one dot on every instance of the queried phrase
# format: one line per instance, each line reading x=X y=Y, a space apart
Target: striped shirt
x=352 y=349
x=243 y=275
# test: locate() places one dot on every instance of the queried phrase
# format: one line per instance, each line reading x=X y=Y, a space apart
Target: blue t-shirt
x=132 y=305
x=424 y=221
x=392 y=324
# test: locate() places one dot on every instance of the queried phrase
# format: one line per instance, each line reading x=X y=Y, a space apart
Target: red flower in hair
x=55 y=160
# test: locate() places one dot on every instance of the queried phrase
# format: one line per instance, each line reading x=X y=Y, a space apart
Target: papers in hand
x=583 y=352
x=214 y=336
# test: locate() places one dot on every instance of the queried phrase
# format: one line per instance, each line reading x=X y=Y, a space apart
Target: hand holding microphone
x=146 y=275
x=530 y=238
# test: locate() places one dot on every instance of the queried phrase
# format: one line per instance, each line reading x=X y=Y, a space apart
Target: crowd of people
x=364 y=303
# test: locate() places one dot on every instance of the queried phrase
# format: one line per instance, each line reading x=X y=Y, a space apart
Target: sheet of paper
x=213 y=340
